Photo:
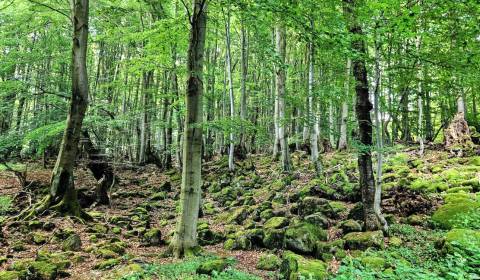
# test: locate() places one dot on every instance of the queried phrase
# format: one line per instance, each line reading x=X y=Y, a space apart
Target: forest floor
x=258 y=221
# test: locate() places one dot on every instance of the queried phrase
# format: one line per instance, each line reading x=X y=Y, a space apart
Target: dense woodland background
x=267 y=132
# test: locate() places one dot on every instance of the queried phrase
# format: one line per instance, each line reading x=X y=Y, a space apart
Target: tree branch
x=51 y=8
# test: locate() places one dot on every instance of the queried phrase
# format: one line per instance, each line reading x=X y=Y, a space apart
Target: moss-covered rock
x=210 y=266
x=310 y=205
x=395 y=241
x=350 y=226
x=276 y=223
x=318 y=219
x=152 y=237
x=38 y=238
x=72 y=243
x=238 y=215
x=416 y=219
x=9 y=275
x=274 y=238
x=363 y=240
x=268 y=262
x=451 y=214
x=106 y=264
x=303 y=236
x=376 y=263
x=296 y=267
x=39 y=270
x=459 y=239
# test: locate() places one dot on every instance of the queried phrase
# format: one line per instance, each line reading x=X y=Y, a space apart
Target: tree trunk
x=62 y=190
x=363 y=108
x=342 y=142
x=243 y=97
x=281 y=46
x=231 y=165
x=185 y=239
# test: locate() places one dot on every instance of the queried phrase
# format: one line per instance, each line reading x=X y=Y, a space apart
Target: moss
x=338 y=207
x=449 y=215
x=153 y=237
x=9 y=275
x=238 y=215
x=210 y=266
x=466 y=189
x=474 y=161
x=395 y=241
x=274 y=238
x=276 y=222
x=268 y=262
x=429 y=185
x=376 y=263
x=364 y=240
x=39 y=238
x=459 y=239
x=296 y=267
x=351 y=226
x=72 y=243
x=302 y=237
x=106 y=253
x=107 y=264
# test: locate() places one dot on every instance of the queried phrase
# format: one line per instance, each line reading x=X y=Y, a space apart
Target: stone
x=376 y=263
x=268 y=262
x=208 y=267
x=39 y=238
x=152 y=237
x=239 y=215
x=276 y=223
x=302 y=237
x=395 y=241
x=296 y=267
x=311 y=204
x=107 y=264
x=72 y=243
x=318 y=219
x=460 y=239
x=350 y=226
x=274 y=238
x=450 y=214
x=364 y=240
x=9 y=275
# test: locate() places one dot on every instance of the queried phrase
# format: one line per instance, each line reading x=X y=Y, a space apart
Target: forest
x=239 y=139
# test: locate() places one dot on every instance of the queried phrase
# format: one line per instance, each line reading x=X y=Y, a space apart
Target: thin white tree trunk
x=231 y=165
x=342 y=142
x=312 y=117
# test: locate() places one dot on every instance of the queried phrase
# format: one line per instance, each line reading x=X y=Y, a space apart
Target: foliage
x=186 y=270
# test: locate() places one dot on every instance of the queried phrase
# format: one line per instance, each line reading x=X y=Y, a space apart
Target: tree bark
x=281 y=46
x=342 y=142
x=63 y=195
x=363 y=108
x=231 y=165
x=185 y=239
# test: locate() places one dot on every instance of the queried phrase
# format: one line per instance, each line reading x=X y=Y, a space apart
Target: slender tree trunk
x=62 y=190
x=317 y=163
x=342 y=142
x=331 y=124
x=231 y=165
x=185 y=239
x=363 y=108
x=281 y=47
x=243 y=97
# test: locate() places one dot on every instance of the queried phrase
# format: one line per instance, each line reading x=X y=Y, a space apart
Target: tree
x=371 y=205
x=185 y=239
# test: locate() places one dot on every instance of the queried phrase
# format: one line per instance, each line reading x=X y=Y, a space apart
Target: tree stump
x=457 y=136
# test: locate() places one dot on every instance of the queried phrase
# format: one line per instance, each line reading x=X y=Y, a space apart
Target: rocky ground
x=257 y=223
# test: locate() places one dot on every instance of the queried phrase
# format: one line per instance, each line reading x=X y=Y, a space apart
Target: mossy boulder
x=376 y=263
x=460 y=239
x=350 y=226
x=9 y=275
x=38 y=238
x=311 y=204
x=206 y=236
x=302 y=237
x=296 y=267
x=364 y=240
x=325 y=250
x=276 y=223
x=268 y=262
x=451 y=214
x=238 y=215
x=210 y=266
x=318 y=219
x=39 y=270
x=416 y=220
x=72 y=243
x=152 y=237
x=274 y=238
x=106 y=264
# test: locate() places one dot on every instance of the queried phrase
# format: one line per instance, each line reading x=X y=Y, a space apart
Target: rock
x=268 y=262
x=210 y=266
x=395 y=241
x=72 y=243
x=302 y=237
x=450 y=214
x=310 y=205
x=39 y=238
x=274 y=238
x=416 y=220
x=206 y=236
x=266 y=214
x=107 y=264
x=35 y=224
x=152 y=237
x=18 y=246
x=9 y=275
x=239 y=215
x=38 y=270
x=106 y=253
x=331 y=247
x=296 y=267
x=116 y=247
x=276 y=223
x=99 y=228
x=350 y=226
x=159 y=196
x=460 y=239
x=364 y=240
x=60 y=260
x=376 y=263
x=356 y=213
x=318 y=219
